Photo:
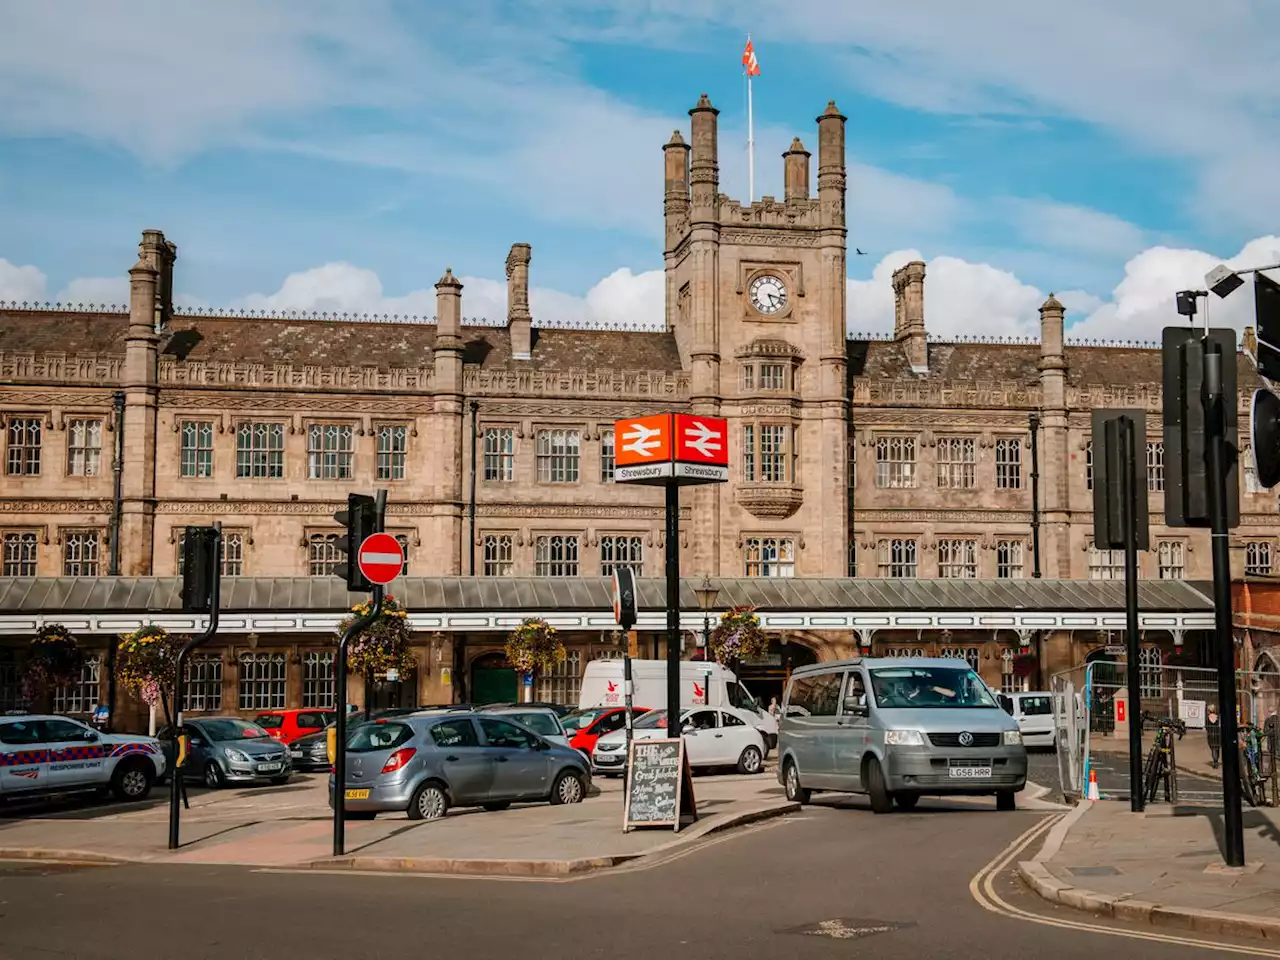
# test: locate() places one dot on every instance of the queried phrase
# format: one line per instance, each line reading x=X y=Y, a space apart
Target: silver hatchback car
x=426 y=764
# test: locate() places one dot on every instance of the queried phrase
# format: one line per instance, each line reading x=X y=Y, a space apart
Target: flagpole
x=751 y=142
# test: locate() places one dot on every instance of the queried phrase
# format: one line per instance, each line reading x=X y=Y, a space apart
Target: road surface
x=834 y=881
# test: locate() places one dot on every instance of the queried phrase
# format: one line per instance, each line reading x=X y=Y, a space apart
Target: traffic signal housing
x=1266 y=303
x=1186 y=471
x=200 y=567
x=360 y=520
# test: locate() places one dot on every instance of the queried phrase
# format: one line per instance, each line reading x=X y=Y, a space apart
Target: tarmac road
x=834 y=881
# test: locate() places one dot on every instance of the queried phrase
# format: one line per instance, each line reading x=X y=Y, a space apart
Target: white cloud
x=20 y=284
x=28 y=284
x=623 y=298
x=1156 y=74
x=963 y=298
x=165 y=80
x=1066 y=227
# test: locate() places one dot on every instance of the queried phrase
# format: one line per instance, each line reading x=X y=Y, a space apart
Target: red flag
x=749 y=60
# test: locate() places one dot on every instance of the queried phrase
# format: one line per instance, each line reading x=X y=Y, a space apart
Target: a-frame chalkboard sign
x=659 y=790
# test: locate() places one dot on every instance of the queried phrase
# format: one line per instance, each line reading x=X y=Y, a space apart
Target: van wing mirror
x=856 y=706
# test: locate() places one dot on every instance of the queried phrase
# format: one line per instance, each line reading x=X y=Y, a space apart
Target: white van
x=1035 y=715
x=700 y=683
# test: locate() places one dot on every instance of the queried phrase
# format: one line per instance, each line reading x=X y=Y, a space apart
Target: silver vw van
x=897 y=730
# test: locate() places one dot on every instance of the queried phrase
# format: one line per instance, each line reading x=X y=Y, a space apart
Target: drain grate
x=1094 y=871
x=848 y=928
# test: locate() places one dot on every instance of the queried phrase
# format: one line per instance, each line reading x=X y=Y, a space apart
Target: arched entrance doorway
x=493 y=680
x=766 y=677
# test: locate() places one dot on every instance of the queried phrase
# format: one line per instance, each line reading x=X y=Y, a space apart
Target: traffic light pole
x=176 y=784
x=1129 y=490
x=1215 y=422
x=354 y=630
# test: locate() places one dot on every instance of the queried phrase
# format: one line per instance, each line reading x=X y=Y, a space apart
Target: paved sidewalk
x=292 y=827
x=1163 y=867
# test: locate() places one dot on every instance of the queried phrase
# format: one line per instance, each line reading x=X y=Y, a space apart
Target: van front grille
x=953 y=740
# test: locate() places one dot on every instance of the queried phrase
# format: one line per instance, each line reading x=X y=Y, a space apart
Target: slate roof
x=47 y=595
x=1019 y=363
x=323 y=343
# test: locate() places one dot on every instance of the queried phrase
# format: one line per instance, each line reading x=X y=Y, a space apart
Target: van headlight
x=903 y=738
x=1013 y=738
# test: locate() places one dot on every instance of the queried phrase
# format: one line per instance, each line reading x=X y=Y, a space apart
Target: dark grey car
x=227 y=750
x=426 y=764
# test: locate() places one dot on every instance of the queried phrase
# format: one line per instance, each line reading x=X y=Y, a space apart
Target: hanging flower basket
x=384 y=644
x=53 y=660
x=738 y=636
x=1024 y=665
x=535 y=645
x=146 y=661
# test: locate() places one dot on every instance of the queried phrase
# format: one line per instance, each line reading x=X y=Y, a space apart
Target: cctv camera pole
x=194 y=544
x=1215 y=424
x=356 y=627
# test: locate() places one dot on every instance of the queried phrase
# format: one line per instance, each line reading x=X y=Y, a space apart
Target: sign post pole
x=381 y=559
x=672 y=450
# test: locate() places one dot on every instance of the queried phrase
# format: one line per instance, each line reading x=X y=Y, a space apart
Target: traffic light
x=1264 y=428
x=1110 y=464
x=1186 y=481
x=361 y=520
x=200 y=568
x=1266 y=301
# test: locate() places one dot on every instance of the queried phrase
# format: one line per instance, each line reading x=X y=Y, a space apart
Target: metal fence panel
x=1093 y=737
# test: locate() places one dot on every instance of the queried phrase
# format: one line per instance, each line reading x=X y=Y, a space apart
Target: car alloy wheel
x=134 y=783
x=568 y=789
x=750 y=761
x=431 y=803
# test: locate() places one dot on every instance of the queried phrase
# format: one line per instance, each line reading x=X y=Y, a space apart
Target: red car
x=585 y=727
x=288 y=725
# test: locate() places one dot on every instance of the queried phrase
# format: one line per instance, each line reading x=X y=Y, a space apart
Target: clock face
x=768 y=294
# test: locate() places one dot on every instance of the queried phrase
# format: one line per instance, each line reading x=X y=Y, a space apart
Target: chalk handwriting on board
x=658 y=788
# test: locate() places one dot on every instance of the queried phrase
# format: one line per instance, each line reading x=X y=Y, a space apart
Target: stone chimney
x=159 y=254
x=795 y=167
x=831 y=166
x=519 y=320
x=448 y=306
x=704 y=171
x=908 y=314
x=675 y=202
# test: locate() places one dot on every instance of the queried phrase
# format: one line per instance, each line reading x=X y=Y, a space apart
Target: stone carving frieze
x=51 y=398
x=769 y=409
x=869 y=391
x=14 y=505
x=304 y=403
x=623 y=384
x=422 y=508
x=578 y=410
x=286 y=376
x=572 y=510
x=769 y=238
x=769 y=501
x=60 y=368
x=892 y=419
x=861 y=516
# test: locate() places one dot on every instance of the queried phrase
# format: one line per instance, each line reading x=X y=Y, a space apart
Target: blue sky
x=324 y=154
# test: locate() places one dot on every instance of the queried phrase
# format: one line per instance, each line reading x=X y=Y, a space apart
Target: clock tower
x=756 y=299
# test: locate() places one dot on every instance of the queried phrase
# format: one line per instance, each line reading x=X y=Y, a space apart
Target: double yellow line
x=983 y=889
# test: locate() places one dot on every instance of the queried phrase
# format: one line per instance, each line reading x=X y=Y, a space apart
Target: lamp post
x=706 y=595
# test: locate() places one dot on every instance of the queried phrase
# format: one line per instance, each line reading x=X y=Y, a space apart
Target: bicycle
x=1159 y=766
x=1253 y=782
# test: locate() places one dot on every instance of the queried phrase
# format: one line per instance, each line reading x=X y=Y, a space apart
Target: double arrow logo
x=705 y=440
x=642 y=439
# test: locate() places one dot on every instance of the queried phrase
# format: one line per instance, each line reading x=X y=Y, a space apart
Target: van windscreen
x=930 y=687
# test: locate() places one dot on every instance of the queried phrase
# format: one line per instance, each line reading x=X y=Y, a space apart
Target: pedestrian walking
x=1213 y=733
x=773 y=706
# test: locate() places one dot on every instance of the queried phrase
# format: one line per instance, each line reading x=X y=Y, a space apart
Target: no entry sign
x=381 y=558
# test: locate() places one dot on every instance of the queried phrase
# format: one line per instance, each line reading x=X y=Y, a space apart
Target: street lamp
x=706 y=595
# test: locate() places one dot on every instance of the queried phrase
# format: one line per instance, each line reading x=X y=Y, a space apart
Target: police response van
x=42 y=755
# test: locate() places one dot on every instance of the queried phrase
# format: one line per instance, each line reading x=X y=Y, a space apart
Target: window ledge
x=770 y=500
